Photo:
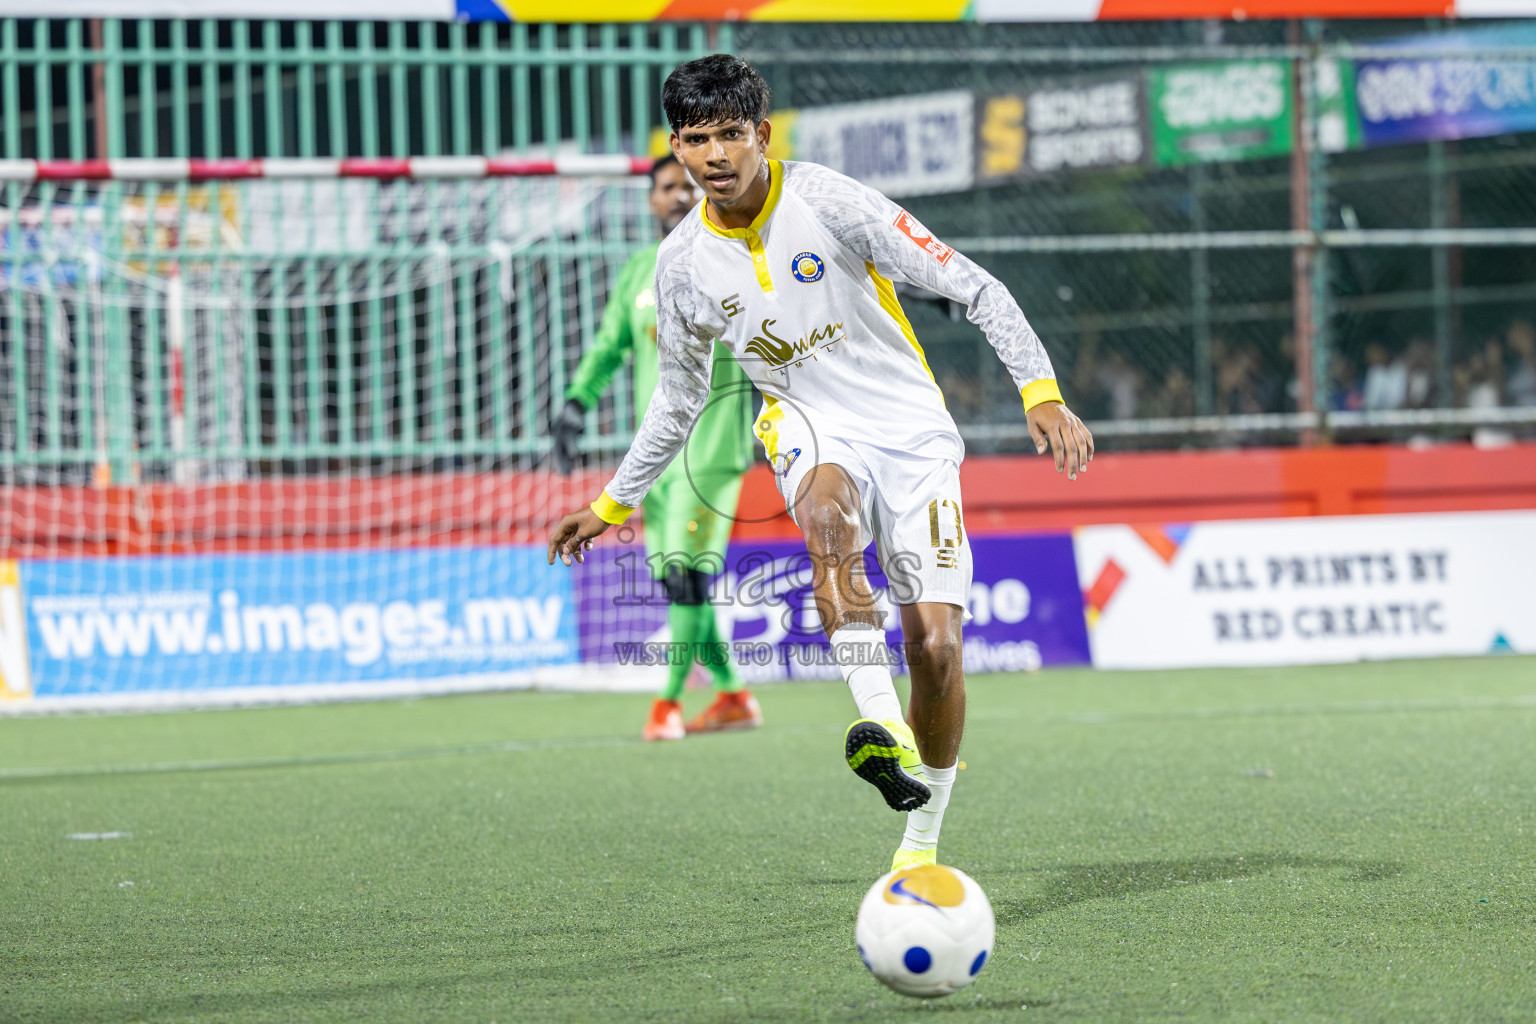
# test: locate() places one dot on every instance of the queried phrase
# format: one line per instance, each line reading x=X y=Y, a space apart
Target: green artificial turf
x=1338 y=843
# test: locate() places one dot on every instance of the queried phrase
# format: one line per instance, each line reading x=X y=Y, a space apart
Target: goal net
x=283 y=432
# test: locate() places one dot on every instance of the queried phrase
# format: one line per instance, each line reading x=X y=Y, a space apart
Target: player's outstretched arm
x=686 y=355
x=574 y=536
x=1053 y=424
x=898 y=246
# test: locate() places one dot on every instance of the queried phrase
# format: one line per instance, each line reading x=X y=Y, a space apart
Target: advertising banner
x=1025 y=607
x=382 y=10
x=1304 y=591
x=991 y=10
x=1338 y=116
x=912 y=145
x=767 y=10
x=326 y=622
x=1434 y=91
x=1073 y=125
x=1224 y=110
x=1414 y=100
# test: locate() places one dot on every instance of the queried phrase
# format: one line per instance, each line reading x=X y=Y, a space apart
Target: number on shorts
x=946 y=549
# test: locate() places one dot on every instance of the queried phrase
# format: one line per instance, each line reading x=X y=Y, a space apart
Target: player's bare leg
x=879 y=746
x=936 y=709
x=827 y=509
x=936 y=712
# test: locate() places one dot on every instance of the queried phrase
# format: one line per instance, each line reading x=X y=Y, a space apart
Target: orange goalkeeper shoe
x=665 y=723
x=738 y=710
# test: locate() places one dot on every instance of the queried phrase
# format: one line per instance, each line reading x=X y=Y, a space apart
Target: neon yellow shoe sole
x=883 y=754
x=905 y=859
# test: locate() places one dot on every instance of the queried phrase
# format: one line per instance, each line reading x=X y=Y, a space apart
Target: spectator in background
x=1109 y=385
x=1290 y=390
x=1386 y=380
x=1086 y=390
x=1520 y=386
x=1344 y=389
x=1242 y=385
x=1175 y=398
x=1420 y=364
x=1479 y=378
x=1479 y=381
x=1122 y=383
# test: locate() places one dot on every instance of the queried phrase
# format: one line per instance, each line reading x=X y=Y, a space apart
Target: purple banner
x=1025 y=606
x=1414 y=100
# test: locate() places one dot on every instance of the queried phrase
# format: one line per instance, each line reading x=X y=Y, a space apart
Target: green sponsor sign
x=1338 y=118
x=1231 y=110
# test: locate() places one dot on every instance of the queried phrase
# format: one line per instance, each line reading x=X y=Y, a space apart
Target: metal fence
x=79 y=89
x=1362 y=293
x=153 y=330
x=1243 y=300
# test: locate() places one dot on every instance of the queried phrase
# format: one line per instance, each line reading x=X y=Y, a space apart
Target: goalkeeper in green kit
x=689 y=512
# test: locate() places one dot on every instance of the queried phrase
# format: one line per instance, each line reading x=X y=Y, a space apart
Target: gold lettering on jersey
x=780 y=354
x=731 y=305
x=946 y=549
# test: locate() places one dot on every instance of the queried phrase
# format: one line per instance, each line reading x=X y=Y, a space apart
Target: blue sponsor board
x=1025 y=605
x=202 y=622
x=1417 y=98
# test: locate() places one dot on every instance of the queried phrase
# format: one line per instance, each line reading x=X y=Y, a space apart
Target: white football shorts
x=909 y=506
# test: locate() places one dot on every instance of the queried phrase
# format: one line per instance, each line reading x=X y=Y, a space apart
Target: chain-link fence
x=1225 y=232
x=1209 y=230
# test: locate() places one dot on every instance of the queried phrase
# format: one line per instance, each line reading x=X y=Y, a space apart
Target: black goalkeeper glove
x=567 y=428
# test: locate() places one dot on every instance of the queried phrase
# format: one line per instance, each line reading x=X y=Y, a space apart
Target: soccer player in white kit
x=791 y=266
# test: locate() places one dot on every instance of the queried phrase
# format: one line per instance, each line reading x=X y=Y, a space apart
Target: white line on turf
x=99 y=835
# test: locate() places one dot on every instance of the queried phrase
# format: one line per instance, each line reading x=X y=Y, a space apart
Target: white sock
x=923 y=824
x=865 y=671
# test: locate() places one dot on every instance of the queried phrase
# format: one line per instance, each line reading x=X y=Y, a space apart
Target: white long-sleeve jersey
x=804 y=300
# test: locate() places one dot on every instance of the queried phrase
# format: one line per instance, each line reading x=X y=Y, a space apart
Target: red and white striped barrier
x=416 y=167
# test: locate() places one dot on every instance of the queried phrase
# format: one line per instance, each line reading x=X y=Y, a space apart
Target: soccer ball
x=925 y=931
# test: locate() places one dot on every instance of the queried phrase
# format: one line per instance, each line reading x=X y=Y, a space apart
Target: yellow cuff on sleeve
x=610 y=511
x=1042 y=390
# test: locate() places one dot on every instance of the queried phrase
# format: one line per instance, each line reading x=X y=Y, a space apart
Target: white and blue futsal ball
x=925 y=931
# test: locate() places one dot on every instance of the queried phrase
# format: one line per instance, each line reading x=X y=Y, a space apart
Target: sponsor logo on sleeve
x=909 y=226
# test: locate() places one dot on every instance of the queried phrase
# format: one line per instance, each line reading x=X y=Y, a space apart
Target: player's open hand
x=1054 y=424
x=574 y=535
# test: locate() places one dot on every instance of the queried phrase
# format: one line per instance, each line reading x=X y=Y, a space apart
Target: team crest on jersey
x=807 y=267
x=908 y=225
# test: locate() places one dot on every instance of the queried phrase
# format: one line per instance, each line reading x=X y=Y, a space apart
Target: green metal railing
x=116 y=88
x=186 y=331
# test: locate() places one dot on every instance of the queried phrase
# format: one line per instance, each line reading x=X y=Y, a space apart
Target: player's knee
x=938 y=651
x=830 y=520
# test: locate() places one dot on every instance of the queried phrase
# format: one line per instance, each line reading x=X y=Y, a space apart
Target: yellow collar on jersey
x=775 y=186
x=750 y=234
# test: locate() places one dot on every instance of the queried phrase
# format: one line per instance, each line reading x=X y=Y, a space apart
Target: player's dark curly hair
x=714 y=90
